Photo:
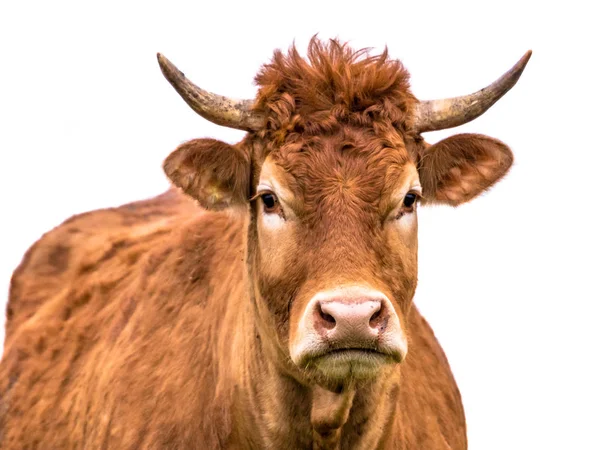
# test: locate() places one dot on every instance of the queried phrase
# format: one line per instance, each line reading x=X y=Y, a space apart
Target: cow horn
x=434 y=115
x=221 y=110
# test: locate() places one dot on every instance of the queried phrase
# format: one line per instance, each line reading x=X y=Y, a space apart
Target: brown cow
x=266 y=300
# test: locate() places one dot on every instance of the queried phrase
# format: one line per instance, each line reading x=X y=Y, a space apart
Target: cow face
x=336 y=250
x=333 y=171
x=332 y=248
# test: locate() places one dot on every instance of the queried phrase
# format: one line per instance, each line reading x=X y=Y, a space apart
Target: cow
x=266 y=299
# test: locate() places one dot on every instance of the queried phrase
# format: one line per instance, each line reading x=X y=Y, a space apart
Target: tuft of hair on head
x=333 y=84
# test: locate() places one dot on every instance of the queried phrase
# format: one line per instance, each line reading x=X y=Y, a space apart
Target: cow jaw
x=348 y=333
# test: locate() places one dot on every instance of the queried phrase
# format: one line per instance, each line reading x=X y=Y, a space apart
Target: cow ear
x=461 y=167
x=213 y=172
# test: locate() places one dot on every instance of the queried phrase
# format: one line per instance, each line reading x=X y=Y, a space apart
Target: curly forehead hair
x=334 y=85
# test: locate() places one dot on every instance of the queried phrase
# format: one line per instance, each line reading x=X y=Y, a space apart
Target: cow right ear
x=213 y=172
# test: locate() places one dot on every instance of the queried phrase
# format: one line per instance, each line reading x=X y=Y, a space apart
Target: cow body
x=132 y=328
x=265 y=301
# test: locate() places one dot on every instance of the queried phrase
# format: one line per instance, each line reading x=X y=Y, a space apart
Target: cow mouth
x=355 y=353
x=345 y=363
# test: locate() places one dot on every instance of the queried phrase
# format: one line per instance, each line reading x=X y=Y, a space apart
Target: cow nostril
x=376 y=318
x=328 y=320
x=327 y=317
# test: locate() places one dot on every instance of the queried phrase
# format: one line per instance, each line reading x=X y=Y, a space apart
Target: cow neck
x=329 y=412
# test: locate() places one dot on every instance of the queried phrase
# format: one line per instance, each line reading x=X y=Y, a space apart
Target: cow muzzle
x=348 y=332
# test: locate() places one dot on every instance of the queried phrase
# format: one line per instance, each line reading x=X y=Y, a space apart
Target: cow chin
x=347 y=334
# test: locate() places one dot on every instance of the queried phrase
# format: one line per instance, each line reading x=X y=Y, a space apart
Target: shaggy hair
x=334 y=85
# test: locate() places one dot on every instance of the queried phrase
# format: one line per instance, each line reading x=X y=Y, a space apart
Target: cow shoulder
x=96 y=292
x=80 y=246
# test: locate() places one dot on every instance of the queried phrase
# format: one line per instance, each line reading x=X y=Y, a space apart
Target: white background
x=508 y=282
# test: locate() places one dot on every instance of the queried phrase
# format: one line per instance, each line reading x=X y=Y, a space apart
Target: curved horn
x=221 y=110
x=433 y=115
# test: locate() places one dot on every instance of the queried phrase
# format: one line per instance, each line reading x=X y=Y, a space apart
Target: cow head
x=333 y=170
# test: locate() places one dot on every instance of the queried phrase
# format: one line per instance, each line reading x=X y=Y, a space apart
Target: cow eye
x=410 y=200
x=271 y=203
x=409 y=204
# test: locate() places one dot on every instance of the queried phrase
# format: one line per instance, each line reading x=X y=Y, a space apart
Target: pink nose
x=351 y=323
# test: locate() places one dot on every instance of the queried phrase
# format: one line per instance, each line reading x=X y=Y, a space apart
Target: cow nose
x=351 y=323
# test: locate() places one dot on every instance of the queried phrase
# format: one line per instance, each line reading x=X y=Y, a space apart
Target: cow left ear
x=459 y=168
x=213 y=172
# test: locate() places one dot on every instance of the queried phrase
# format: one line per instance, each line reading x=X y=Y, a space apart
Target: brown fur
x=162 y=324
